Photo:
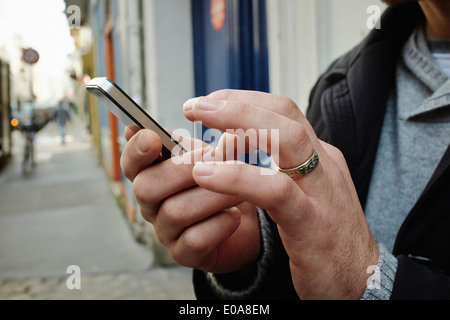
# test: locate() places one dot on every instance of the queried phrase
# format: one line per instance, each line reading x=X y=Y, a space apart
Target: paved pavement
x=65 y=214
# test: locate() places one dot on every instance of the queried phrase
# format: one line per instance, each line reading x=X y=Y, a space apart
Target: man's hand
x=319 y=216
x=200 y=228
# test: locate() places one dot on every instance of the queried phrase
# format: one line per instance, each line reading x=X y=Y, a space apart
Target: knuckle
x=161 y=235
x=180 y=254
x=147 y=215
x=142 y=190
x=126 y=166
x=234 y=175
x=149 y=212
x=288 y=108
x=196 y=244
x=240 y=110
x=337 y=154
x=222 y=94
x=297 y=135
x=190 y=250
x=284 y=190
x=172 y=212
x=138 y=189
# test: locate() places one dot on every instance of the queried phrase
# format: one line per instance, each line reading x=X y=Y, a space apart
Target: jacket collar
x=369 y=70
x=397 y=23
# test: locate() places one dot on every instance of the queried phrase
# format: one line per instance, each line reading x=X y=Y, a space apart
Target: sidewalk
x=65 y=214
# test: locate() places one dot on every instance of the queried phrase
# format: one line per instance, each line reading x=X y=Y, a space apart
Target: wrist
x=245 y=282
x=381 y=282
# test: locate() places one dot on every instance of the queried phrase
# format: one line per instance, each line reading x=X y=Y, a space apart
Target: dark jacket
x=347 y=107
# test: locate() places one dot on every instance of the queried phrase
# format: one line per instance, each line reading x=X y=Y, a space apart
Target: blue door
x=230 y=43
x=230 y=46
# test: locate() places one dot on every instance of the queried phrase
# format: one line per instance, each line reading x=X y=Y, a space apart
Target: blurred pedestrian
x=61 y=116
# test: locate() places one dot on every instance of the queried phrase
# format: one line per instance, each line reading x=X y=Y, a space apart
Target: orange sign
x=218 y=13
x=14 y=122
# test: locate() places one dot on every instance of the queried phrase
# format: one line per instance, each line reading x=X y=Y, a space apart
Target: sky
x=42 y=25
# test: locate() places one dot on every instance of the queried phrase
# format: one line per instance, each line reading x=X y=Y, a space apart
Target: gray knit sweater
x=414 y=137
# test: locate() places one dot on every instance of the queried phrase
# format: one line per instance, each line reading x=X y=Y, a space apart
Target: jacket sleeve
x=417 y=281
x=271 y=279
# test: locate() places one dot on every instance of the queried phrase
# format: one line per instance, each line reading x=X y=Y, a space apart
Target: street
x=65 y=214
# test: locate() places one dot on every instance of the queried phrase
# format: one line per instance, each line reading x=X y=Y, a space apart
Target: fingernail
x=205 y=169
x=188 y=105
x=208 y=104
x=235 y=212
x=142 y=142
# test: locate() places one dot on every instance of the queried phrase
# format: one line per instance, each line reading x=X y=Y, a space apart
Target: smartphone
x=131 y=114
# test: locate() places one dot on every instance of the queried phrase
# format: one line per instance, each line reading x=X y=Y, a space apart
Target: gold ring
x=304 y=169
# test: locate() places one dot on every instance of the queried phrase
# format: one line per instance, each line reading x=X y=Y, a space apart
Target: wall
x=305 y=36
x=168 y=60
